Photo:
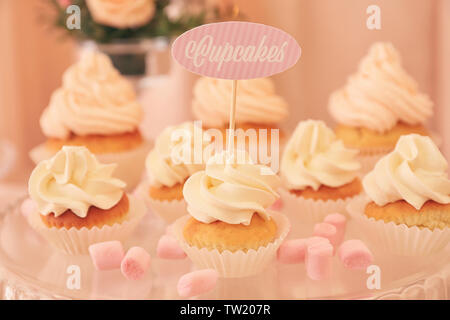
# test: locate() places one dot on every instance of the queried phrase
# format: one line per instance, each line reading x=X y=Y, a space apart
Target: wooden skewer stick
x=232 y=126
x=232 y=118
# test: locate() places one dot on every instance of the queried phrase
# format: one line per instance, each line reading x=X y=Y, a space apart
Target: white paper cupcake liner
x=237 y=264
x=74 y=241
x=130 y=164
x=398 y=239
x=304 y=213
x=169 y=211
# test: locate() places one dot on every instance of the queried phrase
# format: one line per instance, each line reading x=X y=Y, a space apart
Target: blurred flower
x=122 y=13
x=223 y=10
x=64 y=3
x=174 y=10
x=177 y=8
x=223 y=6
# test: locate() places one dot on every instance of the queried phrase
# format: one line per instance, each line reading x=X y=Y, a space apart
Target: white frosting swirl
x=380 y=94
x=313 y=157
x=94 y=99
x=415 y=171
x=172 y=159
x=74 y=180
x=122 y=13
x=230 y=191
x=256 y=102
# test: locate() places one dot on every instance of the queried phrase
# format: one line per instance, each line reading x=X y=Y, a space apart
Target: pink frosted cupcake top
x=256 y=102
x=380 y=94
x=94 y=99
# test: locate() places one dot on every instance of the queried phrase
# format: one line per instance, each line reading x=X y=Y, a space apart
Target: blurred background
x=35 y=51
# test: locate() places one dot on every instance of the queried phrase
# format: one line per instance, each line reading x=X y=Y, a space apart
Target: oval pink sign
x=236 y=50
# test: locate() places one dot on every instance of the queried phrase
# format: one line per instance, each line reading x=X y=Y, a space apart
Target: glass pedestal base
x=32 y=269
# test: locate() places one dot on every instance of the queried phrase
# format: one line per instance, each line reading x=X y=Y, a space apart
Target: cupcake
x=407 y=207
x=379 y=103
x=257 y=105
x=178 y=153
x=97 y=108
x=229 y=227
x=79 y=202
x=319 y=174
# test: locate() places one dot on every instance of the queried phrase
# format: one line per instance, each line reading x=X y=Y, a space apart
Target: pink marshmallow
x=27 y=207
x=197 y=282
x=168 y=248
x=339 y=221
x=292 y=251
x=354 y=254
x=169 y=230
x=277 y=205
x=106 y=255
x=314 y=240
x=135 y=264
x=319 y=260
x=326 y=230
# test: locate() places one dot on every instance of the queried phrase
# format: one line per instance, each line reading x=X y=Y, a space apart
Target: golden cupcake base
x=432 y=215
x=325 y=193
x=95 y=217
x=99 y=144
x=397 y=238
x=163 y=193
x=363 y=138
x=232 y=237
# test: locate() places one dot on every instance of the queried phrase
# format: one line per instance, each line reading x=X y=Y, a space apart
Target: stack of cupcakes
x=380 y=115
x=379 y=103
x=97 y=108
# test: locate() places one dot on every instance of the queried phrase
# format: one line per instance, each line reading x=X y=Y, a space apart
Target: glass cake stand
x=31 y=269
